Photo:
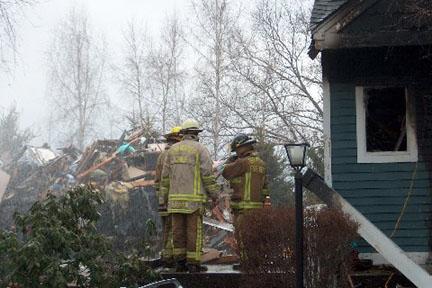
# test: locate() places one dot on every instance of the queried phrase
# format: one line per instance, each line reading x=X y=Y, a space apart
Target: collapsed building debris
x=36 y=172
x=123 y=170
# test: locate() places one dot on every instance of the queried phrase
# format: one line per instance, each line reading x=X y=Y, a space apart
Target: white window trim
x=411 y=155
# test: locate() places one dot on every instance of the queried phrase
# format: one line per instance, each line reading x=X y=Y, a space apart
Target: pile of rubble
x=124 y=170
x=37 y=171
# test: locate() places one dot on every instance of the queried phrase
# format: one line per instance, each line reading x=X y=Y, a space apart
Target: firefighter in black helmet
x=247 y=175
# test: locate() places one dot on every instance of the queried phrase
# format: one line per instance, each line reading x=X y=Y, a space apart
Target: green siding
x=377 y=190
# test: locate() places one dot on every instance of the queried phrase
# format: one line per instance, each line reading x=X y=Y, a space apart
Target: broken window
x=386 y=115
x=385 y=125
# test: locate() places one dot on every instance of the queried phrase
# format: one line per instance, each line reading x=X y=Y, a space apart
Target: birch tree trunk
x=76 y=67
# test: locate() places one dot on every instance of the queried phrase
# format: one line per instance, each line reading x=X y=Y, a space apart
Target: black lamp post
x=296 y=155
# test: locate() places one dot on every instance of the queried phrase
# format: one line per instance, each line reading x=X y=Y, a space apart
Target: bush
x=268 y=241
x=57 y=244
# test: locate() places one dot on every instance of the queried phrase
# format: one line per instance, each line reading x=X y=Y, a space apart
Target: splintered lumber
x=136 y=134
x=88 y=153
x=142 y=183
x=214 y=223
x=146 y=173
x=218 y=214
x=210 y=254
x=97 y=166
x=104 y=162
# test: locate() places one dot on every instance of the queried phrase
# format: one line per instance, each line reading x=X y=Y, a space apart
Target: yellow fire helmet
x=190 y=125
x=176 y=130
x=174 y=133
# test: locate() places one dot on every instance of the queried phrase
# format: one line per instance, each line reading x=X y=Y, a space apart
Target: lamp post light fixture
x=296 y=155
x=297 y=158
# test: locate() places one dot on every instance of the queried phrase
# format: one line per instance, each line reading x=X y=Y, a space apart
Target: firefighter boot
x=181 y=266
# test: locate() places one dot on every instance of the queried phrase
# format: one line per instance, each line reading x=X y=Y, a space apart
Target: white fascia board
x=327 y=134
x=325 y=34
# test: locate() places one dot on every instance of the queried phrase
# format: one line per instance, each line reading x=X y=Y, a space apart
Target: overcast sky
x=26 y=86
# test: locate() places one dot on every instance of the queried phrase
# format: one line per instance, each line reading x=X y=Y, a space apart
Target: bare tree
x=10 y=10
x=417 y=14
x=167 y=74
x=421 y=8
x=76 y=63
x=133 y=73
x=284 y=96
x=215 y=20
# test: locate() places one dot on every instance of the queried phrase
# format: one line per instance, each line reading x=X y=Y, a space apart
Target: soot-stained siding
x=380 y=190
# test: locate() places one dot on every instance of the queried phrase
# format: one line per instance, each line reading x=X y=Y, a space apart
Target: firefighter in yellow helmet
x=247 y=177
x=172 y=137
x=187 y=175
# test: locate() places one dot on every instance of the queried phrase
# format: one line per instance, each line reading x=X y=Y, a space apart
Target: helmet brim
x=196 y=130
x=249 y=142
x=169 y=135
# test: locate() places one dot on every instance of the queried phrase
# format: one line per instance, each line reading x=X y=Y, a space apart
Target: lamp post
x=296 y=156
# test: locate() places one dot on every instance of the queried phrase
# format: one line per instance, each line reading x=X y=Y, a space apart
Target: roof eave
x=324 y=34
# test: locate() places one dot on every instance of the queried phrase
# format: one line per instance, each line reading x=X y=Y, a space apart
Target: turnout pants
x=187 y=236
x=239 y=215
x=167 y=251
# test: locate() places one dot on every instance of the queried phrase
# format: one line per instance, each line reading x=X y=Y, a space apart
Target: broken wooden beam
x=104 y=162
x=374 y=236
x=210 y=254
x=221 y=225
